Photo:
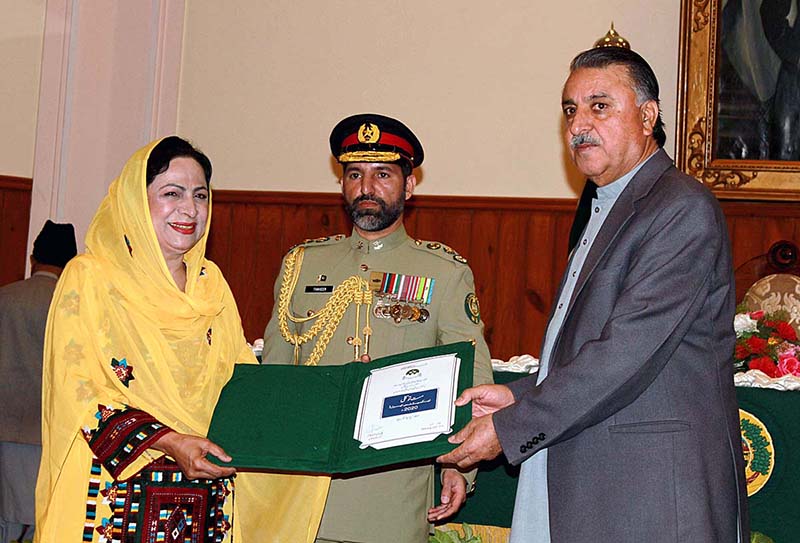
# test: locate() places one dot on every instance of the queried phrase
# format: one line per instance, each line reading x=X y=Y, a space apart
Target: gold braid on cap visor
x=370 y=156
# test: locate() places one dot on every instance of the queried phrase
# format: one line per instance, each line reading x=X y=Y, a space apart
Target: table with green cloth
x=771 y=439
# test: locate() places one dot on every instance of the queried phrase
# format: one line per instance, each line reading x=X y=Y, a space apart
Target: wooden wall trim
x=515 y=246
x=732 y=208
x=742 y=208
x=420 y=201
x=10 y=182
x=15 y=209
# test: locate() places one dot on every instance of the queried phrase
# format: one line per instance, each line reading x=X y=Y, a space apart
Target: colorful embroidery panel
x=122 y=370
x=121 y=436
x=91 y=500
x=159 y=505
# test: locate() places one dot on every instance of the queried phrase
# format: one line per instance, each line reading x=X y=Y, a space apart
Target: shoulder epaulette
x=440 y=249
x=314 y=242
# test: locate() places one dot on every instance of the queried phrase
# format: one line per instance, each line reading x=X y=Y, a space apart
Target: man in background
x=23 y=316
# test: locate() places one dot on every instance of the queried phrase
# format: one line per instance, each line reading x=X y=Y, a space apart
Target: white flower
x=742 y=323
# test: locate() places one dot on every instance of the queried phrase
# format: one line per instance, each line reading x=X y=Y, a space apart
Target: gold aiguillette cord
x=354 y=289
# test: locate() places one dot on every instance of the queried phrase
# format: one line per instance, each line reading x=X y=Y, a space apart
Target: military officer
x=375 y=293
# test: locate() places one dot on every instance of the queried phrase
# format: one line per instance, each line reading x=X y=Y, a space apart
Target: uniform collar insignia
x=393 y=240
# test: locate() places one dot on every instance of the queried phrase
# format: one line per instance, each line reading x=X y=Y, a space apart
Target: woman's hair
x=174 y=147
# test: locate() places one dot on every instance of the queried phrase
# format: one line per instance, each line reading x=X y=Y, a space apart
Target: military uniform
x=352 y=296
x=389 y=505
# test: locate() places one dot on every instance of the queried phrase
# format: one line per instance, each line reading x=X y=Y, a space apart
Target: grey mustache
x=582 y=139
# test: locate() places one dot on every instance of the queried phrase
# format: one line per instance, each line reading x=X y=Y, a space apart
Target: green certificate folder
x=301 y=418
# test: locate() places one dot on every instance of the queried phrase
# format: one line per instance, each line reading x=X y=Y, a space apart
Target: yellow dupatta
x=120 y=333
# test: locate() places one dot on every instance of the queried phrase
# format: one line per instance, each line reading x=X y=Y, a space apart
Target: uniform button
x=350 y=340
x=310 y=313
x=364 y=267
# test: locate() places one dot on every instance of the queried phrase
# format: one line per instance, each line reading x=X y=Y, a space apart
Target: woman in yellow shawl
x=142 y=334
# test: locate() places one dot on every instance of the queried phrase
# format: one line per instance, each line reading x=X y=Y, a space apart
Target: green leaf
x=758 y=537
x=467 y=530
x=444 y=536
x=452 y=536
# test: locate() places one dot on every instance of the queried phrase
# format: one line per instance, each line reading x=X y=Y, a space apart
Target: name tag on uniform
x=319 y=288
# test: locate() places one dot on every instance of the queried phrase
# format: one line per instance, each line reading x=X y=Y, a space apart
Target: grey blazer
x=23 y=316
x=639 y=410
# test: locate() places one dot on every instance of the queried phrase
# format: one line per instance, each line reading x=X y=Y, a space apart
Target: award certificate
x=409 y=402
x=302 y=418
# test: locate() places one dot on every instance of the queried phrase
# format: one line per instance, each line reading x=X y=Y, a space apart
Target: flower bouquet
x=766 y=342
x=450 y=535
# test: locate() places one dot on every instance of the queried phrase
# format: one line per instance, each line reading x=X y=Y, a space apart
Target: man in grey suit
x=23 y=316
x=630 y=429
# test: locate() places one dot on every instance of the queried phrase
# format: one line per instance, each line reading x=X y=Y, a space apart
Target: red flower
x=766 y=365
x=771 y=346
x=757 y=345
x=786 y=331
x=742 y=351
x=788 y=365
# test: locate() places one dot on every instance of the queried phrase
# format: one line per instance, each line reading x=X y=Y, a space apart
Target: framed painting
x=739 y=97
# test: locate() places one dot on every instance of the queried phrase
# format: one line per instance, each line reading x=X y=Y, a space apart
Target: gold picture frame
x=726 y=122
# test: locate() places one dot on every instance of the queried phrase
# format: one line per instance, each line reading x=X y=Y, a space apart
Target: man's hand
x=454 y=494
x=486 y=399
x=478 y=442
x=190 y=452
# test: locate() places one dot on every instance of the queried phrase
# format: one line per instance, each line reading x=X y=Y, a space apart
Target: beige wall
x=480 y=83
x=20 y=63
x=109 y=85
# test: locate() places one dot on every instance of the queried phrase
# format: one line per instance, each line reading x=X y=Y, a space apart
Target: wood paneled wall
x=515 y=246
x=15 y=210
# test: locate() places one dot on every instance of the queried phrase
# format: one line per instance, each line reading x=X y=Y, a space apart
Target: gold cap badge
x=369 y=133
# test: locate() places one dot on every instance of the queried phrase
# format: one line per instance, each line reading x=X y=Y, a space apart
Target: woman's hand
x=190 y=454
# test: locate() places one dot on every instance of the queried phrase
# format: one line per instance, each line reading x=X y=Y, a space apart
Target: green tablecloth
x=492 y=503
x=773 y=509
